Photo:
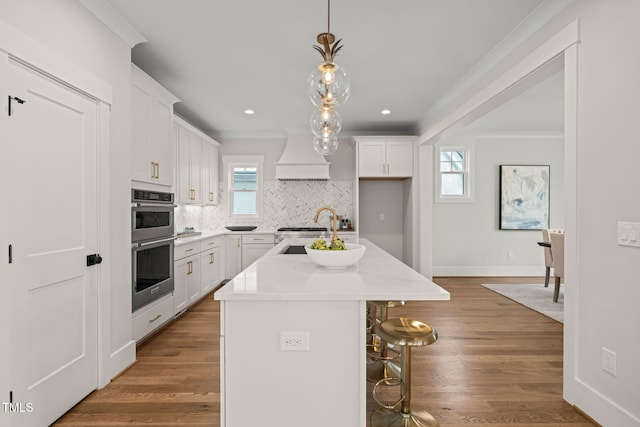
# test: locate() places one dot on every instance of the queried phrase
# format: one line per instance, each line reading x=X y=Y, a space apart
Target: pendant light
x=328 y=87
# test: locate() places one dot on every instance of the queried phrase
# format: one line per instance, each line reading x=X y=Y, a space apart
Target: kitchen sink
x=294 y=250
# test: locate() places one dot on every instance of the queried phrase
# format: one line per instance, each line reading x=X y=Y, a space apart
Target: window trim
x=231 y=162
x=469 y=158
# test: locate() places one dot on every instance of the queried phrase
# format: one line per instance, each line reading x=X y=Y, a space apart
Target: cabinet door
x=210 y=174
x=252 y=251
x=371 y=157
x=211 y=269
x=233 y=255
x=181 y=268
x=193 y=279
x=183 y=184
x=161 y=142
x=141 y=105
x=189 y=153
x=195 y=168
x=399 y=159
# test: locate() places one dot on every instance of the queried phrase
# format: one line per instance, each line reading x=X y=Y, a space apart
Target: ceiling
x=221 y=58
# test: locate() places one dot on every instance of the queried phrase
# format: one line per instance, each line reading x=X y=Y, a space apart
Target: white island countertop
x=377 y=276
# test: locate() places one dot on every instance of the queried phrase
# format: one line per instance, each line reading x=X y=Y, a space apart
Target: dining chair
x=557 y=250
x=548 y=258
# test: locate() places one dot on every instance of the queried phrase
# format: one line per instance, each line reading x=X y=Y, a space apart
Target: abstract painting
x=524 y=197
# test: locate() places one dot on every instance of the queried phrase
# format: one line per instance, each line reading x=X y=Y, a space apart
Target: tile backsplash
x=286 y=204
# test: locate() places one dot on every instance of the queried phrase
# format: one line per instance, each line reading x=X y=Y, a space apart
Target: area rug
x=535 y=297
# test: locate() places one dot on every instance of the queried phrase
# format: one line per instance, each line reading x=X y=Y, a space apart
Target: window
x=244 y=177
x=453 y=178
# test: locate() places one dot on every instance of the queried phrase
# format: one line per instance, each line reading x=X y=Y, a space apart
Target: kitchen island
x=293 y=336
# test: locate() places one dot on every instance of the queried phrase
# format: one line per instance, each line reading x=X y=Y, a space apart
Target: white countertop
x=377 y=276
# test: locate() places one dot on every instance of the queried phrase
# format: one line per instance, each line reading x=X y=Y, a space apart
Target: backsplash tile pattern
x=286 y=204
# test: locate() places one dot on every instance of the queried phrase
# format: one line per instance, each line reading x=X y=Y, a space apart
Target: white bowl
x=336 y=259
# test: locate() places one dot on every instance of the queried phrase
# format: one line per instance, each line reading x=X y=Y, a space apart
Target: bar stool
x=380 y=364
x=405 y=333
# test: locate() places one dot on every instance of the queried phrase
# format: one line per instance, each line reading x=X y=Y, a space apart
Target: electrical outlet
x=381 y=217
x=609 y=361
x=294 y=341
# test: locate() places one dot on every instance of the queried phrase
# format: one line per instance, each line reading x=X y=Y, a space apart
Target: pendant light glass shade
x=328 y=85
x=326 y=145
x=325 y=122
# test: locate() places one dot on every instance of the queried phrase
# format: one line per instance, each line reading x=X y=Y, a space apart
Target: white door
x=52 y=209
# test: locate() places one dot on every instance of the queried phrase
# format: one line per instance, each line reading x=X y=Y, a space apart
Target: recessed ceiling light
x=249 y=112
x=385 y=112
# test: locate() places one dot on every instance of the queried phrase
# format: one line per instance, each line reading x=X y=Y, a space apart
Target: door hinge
x=11 y=396
x=10 y=254
x=14 y=98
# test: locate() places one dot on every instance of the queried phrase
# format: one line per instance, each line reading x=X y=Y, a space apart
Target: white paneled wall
x=286 y=204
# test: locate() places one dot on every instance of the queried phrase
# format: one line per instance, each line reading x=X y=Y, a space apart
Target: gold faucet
x=334 y=218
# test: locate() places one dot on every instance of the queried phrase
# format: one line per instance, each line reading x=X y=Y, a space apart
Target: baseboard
x=461 y=271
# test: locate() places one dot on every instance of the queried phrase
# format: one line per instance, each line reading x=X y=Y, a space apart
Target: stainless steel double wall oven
x=152 y=240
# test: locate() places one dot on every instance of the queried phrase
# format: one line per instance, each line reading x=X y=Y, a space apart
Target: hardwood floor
x=496 y=363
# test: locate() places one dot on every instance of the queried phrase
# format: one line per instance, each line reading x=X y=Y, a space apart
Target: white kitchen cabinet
x=385 y=158
x=152 y=316
x=152 y=158
x=210 y=169
x=254 y=246
x=189 y=163
x=197 y=165
x=186 y=272
x=212 y=261
x=233 y=255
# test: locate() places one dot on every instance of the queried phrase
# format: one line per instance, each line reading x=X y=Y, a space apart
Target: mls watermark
x=20 y=407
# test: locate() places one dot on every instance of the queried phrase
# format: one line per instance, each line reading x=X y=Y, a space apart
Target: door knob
x=93 y=259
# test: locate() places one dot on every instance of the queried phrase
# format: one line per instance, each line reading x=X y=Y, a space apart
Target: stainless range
x=298 y=232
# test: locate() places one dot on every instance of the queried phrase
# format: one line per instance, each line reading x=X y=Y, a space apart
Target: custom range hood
x=300 y=161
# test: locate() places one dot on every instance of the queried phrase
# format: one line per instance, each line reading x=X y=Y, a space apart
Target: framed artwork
x=524 y=197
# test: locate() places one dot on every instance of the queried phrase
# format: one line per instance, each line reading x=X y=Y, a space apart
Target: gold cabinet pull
x=238 y=242
x=155 y=318
x=155 y=170
x=188 y=250
x=212 y=258
x=190 y=267
x=211 y=197
x=193 y=194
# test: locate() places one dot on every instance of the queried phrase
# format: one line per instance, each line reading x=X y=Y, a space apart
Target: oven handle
x=154 y=205
x=153 y=242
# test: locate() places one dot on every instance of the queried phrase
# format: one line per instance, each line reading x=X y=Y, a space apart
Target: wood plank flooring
x=496 y=363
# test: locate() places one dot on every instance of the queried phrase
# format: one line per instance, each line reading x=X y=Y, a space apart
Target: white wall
x=602 y=292
x=70 y=31
x=383 y=198
x=467 y=237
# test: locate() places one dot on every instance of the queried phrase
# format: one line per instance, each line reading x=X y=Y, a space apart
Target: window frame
x=468 y=196
x=257 y=162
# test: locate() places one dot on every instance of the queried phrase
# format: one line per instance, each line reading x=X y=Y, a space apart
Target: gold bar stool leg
x=380 y=364
x=405 y=333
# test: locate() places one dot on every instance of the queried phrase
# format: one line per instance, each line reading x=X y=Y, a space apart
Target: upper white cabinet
x=197 y=165
x=152 y=118
x=210 y=169
x=391 y=157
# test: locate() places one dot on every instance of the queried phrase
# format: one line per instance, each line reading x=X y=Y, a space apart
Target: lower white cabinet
x=152 y=316
x=254 y=246
x=233 y=255
x=211 y=261
x=197 y=270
